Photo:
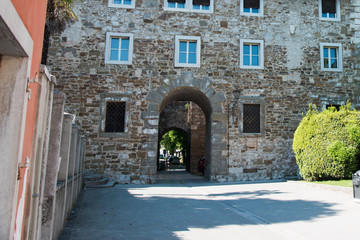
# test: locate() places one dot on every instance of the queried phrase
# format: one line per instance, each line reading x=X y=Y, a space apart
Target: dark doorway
x=180 y=111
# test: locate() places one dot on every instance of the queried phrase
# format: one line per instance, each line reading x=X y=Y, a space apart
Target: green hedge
x=326 y=144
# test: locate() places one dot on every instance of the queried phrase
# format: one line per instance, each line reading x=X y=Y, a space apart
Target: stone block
x=150 y=115
x=154 y=96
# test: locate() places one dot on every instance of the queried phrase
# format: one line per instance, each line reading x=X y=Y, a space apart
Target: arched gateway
x=188 y=88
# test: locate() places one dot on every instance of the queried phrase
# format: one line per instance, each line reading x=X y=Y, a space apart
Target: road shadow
x=155 y=212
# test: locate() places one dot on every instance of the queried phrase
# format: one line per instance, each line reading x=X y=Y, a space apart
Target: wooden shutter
x=201 y=2
x=329 y=6
x=251 y=3
x=176 y=1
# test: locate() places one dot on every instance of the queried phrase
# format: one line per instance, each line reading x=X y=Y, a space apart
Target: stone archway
x=188 y=88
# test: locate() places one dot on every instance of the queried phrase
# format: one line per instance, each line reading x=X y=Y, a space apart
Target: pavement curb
x=346 y=190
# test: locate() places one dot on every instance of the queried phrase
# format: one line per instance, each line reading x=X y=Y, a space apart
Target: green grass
x=340 y=183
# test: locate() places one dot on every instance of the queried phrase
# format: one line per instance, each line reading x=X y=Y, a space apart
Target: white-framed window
x=122 y=3
x=206 y=6
x=252 y=7
x=251 y=54
x=187 y=51
x=331 y=57
x=329 y=10
x=119 y=48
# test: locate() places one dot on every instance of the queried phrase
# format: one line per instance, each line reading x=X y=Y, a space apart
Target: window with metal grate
x=251 y=118
x=336 y=106
x=115 y=117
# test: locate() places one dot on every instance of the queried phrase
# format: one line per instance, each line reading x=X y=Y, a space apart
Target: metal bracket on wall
x=26 y=164
x=28 y=90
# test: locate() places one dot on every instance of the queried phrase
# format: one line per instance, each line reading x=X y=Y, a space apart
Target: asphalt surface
x=183 y=206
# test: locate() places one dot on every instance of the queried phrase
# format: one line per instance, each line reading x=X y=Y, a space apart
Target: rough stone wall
x=197 y=120
x=291 y=79
x=174 y=116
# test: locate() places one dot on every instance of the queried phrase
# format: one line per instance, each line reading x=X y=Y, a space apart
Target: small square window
x=187 y=51
x=122 y=3
x=329 y=10
x=331 y=57
x=205 y=6
x=252 y=7
x=119 y=47
x=252 y=54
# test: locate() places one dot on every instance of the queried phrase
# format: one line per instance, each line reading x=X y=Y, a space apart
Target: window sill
x=184 y=65
x=331 y=69
x=114 y=134
x=121 y=6
x=188 y=10
x=252 y=67
x=330 y=19
x=118 y=62
x=252 y=135
x=252 y=14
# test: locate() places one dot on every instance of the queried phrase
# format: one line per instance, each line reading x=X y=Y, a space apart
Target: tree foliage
x=326 y=144
x=174 y=139
x=58 y=13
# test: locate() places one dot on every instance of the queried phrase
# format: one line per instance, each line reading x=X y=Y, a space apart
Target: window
x=115 y=117
x=119 y=47
x=176 y=3
x=187 y=51
x=251 y=119
x=252 y=7
x=335 y=102
x=252 y=54
x=252 y=111
x=201 y=4
x=122 y=3
x=189 y=5
x=114 y=109
x=329 y=10
x=331 y=57
x=336 y=106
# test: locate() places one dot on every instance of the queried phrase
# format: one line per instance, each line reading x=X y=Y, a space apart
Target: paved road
x=183 y=206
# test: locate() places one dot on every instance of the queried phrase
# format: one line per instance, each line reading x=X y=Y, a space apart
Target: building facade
x=251 y=66
x=39 y=182
x=22 y=27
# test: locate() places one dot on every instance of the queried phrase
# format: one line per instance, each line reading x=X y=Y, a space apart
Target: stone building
x=252 y=66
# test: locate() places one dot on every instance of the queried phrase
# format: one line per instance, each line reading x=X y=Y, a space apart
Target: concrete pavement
x=183 y=206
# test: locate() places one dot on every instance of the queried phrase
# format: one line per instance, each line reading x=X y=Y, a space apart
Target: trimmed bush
x=326 y=144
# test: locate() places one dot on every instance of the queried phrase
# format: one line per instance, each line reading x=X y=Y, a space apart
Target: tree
x=326 y=144
x=58 y=12
x=174 y=139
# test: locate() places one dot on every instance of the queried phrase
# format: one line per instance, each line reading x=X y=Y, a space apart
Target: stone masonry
x=291 y=79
